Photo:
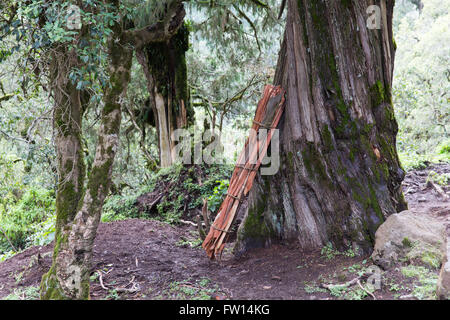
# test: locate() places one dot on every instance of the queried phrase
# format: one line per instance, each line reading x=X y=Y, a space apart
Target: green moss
x=167 y=63
x=377 y=94
x=432 y=259
x=99 y=177
x=347 y=3
x=312 y=160
x=406 y=242
x=387 y=148
x=327 y=139
x=255 y=228
x=50 y=288
x=352 y=153
x=374 y=203
x=302 y=13
x=290 y=160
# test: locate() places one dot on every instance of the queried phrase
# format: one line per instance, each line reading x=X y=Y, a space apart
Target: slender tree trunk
x=340 y=175
x=164 y=66
x=78 y=210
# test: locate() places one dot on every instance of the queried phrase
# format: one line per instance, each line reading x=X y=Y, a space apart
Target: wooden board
x=268 y=114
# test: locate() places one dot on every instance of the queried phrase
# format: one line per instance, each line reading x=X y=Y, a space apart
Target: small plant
x=349 y=253
x=28 y=293
x=112 y=295
x=200 y=290
x=354 y=268
x=395 y=287
x=329 y=252
x=407 y=243
x=425 y=285
x=189 y=242
x=313 y=288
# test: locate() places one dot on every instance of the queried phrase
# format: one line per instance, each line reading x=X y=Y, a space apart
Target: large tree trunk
x=340 y=175
x=164 y=66
x=79 y=209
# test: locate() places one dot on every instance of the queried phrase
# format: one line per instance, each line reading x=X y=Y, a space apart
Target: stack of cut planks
x=268 y=114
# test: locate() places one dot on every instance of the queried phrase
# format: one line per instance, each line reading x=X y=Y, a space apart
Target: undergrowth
x=183 y=189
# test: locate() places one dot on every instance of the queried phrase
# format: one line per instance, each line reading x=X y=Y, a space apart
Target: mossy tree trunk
x=79 y=204
x=78 y=208
x=164 y=66
x=340 y=175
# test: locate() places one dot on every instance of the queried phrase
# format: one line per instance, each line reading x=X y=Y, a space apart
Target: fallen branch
x=340 y=286
x=365 y=290
x=188 y=222
x=100 y=278
x=133 y=289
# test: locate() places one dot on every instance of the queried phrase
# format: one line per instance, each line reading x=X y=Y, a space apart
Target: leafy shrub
x=215 y=200
x=444 y=148
x=183 y=187
x=21 y=218
x=44 y=232
x=120 y=208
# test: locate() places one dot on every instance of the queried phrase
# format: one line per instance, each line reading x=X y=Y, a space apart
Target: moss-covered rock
x=410 y=236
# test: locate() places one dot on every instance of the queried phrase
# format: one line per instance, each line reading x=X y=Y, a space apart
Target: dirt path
x=144 y=259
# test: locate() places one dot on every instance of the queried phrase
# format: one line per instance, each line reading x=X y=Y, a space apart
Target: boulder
x=443 y=284
x=410 y=236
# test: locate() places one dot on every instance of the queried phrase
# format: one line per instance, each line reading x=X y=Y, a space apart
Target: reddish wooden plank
x=242 y=179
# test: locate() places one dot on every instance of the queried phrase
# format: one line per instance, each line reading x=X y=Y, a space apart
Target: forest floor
x=147 y=259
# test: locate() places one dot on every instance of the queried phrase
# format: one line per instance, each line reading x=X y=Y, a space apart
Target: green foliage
x=44 y=232
x=191 y=243
x=421 y=82
x=442 y=179
x=119 y=207
x=21 y=218
x=444 y=147
x=182 y=187
x=219 y=192
x=28 y=293
x=313 y=288
x=330 y=253
x=187 y=189
x=234 y=50
x=425 y=284
x=201 y=289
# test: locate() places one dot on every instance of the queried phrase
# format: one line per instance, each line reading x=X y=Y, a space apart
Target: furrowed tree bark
x=68 y=277
x=164 y=66
x=340 y=175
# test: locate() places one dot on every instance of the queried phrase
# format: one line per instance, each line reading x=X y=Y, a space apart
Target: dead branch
x=188 y=222
x=133 y=289
x=7 y=238
x=365 y=290
x=340 y=286
x=100 y=278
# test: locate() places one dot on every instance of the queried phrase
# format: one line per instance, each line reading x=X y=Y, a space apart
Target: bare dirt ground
x=146 y=259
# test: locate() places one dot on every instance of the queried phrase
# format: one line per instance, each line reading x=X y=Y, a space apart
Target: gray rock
x=410 y=236
x=443 y=284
